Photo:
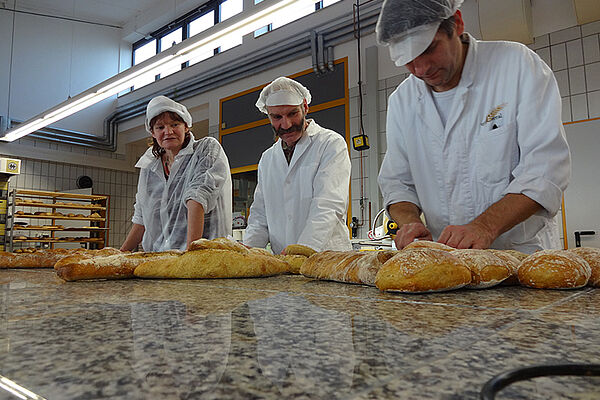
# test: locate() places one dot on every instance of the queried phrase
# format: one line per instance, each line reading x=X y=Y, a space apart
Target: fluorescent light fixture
x=241 y=24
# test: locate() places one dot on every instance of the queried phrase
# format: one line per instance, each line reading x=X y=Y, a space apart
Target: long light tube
x=262 y=14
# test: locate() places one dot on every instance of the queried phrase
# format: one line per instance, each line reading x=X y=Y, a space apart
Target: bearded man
x=303 y=179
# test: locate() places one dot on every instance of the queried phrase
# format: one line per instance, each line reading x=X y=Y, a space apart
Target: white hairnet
x=160 y=104
x=282 y=92
x=408 y=26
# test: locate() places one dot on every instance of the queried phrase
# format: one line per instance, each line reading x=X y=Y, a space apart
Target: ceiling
x=109 y=12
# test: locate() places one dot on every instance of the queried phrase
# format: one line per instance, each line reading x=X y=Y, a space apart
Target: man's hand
x=407 y=233
x=469 y=236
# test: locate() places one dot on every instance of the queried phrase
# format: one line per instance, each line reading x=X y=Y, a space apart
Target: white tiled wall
x=120 y=186
x=574 y=56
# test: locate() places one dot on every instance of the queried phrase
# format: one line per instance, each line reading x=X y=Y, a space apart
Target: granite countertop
x=286 y=337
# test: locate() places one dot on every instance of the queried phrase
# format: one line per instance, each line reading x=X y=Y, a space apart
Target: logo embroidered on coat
x=494 y=114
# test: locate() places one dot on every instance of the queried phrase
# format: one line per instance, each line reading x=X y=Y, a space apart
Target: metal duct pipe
x=330 y=58
x=313 y=50
x=321 y=53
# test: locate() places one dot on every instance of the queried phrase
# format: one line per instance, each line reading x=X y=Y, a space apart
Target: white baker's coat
x=504 y=135
x=201 y=173
x=306 y=201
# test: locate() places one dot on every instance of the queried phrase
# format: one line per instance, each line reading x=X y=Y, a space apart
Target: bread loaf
x=592 y=256
x=512 y=263
x=346 y=266
x=519 y=255
x=218 y=243
x=420 y=270
x=294 y=262
x=298 y=249
x=34 y=258
x=117 y=266
x=487 y=269
x=554 y=269
x=419 y=244
x=212 y=263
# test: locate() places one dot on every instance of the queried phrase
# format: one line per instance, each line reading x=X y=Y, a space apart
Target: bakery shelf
x=59 y=217
x=61 y=240
x=59 y=205
x=90 y=216
x=62 y=195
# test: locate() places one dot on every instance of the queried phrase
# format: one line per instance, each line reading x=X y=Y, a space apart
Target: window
x=168 y=41
x=229 y=8
x=202 y=23
x=142 y=54
x=263 y=30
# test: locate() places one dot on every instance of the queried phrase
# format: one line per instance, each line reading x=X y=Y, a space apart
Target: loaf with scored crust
x=116 y=266
x=592 y=256
x=421 y=270
x=346 y=266
x=212 y=263
x=554 y=269
x=487 y=269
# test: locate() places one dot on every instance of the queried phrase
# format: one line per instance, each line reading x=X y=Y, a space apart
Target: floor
x=286 y=337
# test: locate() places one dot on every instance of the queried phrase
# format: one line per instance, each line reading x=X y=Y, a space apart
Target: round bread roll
x=294 y=262
x=519 y=255
x=299 y=250
x=420 y=270
x=512 y=263
x=592 y=256
x=428 y=244
x=487 y=270
x=554 y=269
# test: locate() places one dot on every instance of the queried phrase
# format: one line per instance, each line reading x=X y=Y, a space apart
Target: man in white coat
x=475 y=138
x=303 y=179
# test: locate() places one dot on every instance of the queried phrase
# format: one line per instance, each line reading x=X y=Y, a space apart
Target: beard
x=294 y=128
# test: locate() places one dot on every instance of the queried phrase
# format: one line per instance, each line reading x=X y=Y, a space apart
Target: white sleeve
x=544 y=167
x=329 y=203
x=395 y=177
x=257 y=231
x=140 y=198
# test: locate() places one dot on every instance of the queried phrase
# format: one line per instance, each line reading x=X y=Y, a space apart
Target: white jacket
x=201 y=173
x=306 y=201
x=504 y=135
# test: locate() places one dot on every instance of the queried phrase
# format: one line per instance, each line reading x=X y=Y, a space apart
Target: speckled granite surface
x=286 y=337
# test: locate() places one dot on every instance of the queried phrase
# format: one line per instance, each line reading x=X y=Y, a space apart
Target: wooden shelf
x=59 y=217
x=20 y=192
x=62 y=240
x=55 y=205
x=82 y=229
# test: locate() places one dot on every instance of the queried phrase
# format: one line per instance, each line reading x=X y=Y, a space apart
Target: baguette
x=212 y=263
x=218 y=243
x=428 y=244
x=34 y=259
x=117 y=266
x=298 y=249
x=346 y=266
x=294 y=262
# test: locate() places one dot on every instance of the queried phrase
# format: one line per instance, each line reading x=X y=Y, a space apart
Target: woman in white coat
x=184 y=188
x=303 y=179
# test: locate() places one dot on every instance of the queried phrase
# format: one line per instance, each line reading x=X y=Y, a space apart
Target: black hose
x=499 y=382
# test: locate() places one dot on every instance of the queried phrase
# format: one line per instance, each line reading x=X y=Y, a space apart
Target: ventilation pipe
x=330 y=58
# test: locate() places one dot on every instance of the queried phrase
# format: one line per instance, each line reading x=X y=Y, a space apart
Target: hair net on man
x=161 y=104
x=408 y=26
x=282 y=92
